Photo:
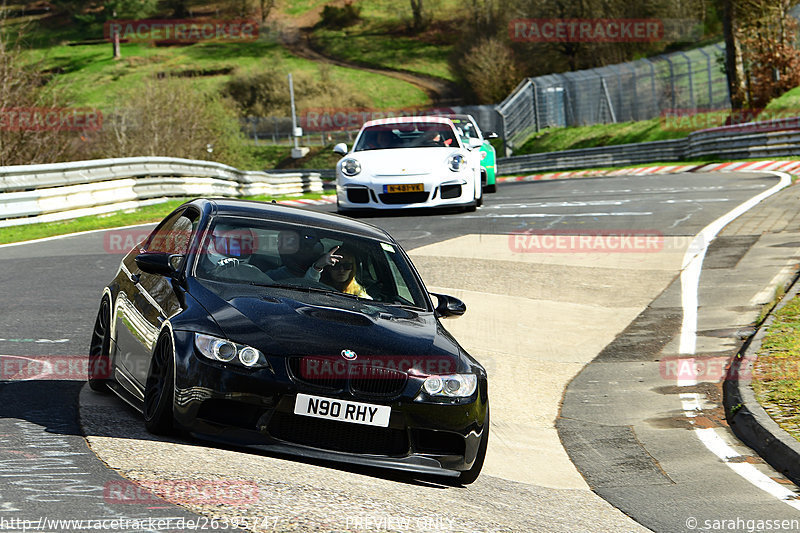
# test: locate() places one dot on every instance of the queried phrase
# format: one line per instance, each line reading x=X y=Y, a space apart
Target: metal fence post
x=691 y=81
x=708 y=78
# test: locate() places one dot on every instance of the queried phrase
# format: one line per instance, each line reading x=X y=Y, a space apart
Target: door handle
x=134 y=278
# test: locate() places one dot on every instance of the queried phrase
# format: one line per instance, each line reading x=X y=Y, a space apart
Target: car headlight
x=351 y=167
x=451 y=386
x=455 y=162
x=226 y=351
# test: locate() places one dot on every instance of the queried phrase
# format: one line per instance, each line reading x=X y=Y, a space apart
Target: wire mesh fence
x=639 y=90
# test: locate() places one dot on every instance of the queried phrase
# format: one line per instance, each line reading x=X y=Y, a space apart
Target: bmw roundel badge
x=350 y=355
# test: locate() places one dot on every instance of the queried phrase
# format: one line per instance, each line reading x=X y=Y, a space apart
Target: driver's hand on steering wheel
x=329 y=258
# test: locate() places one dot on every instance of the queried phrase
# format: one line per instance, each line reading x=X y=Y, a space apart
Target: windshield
x=406 y=135
x=278 y=255
x=467 y=130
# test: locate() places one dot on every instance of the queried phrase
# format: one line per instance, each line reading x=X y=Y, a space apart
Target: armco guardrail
x=59 y=191
x=743 y=141
x=606 y=156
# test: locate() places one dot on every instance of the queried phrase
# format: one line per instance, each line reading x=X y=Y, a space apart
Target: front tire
x=159 y=390
x=100 y=349
x=469 y=476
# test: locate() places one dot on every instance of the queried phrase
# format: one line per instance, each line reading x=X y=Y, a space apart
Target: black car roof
x=295 y=215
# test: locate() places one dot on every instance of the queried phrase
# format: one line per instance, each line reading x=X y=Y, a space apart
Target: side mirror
x=159 y=263
x=449 y=306
x=340 y=149
x=491 y=135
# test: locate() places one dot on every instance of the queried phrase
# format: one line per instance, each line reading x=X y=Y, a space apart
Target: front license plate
x=342 y=410
x=406 y=187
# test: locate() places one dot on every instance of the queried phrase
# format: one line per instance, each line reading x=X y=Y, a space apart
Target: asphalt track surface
x=633 y=453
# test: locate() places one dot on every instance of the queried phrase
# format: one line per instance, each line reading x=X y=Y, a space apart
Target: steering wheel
x=241 y=271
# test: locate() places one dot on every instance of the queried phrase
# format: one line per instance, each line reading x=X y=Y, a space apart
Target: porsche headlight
x=226 y=351
x=451 y=386
x=456 y=162
x=350 y=167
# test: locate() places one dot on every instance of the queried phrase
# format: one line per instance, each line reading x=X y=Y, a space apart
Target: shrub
x=170 y=118
x=266 y=93
x=490 y=70
x=24 y=87
x=340 y=17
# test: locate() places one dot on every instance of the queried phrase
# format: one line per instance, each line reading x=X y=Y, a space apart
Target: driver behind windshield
x=302 y=255
x=342 y=275
x=229 y=250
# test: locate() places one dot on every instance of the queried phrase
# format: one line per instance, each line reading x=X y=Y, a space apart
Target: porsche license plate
x=406 y=187
x=342 y=410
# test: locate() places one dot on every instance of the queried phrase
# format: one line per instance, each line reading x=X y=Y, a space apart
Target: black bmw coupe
x=293 y=331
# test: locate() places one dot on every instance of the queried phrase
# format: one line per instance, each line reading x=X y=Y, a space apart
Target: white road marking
x=548 y=215
x=558 y=204
x=690 y=281
x=56 y=237
x=765 y=295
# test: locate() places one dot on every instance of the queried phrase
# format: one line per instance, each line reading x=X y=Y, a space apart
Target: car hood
x=404 y=161
x=286 y=322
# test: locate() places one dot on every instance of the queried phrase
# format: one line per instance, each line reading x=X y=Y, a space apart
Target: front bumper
x=255 y=409
x=453 y=190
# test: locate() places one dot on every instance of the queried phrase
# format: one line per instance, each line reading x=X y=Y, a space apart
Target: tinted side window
x=174 y=236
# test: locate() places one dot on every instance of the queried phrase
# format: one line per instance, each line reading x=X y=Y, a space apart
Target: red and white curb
x=784 y=166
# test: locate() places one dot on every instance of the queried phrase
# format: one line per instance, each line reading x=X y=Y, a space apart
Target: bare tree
x=24 y=96
x=266 y=8
x=169 y=118
x=767 y=37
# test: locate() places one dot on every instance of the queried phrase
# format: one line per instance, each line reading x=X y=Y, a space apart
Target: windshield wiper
x=307 y=289
x=403 y=305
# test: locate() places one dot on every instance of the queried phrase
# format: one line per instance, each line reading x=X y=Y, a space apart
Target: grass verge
x=776 y=372
x=142 y=215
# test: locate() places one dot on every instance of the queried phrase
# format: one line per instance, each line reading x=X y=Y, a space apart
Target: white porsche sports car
x=408 y=162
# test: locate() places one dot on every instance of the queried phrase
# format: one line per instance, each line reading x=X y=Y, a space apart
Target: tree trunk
x=416 y=12
x=734 y=65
